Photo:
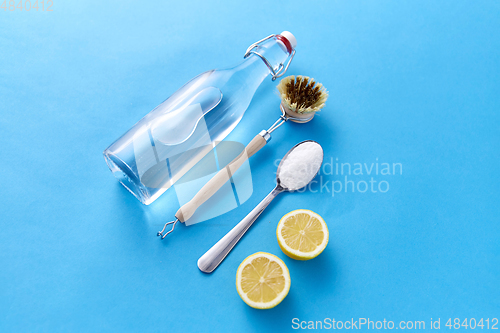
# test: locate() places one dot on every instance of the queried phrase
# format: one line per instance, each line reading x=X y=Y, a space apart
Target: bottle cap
x=290 y=37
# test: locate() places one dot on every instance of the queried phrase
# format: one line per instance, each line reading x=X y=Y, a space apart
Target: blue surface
x=410 y=82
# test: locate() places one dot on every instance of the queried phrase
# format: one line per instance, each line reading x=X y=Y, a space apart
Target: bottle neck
x=254 y=67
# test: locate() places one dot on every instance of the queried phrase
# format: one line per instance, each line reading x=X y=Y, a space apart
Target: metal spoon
x=213 y=257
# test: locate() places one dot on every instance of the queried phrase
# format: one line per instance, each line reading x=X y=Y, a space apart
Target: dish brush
x=301 y=97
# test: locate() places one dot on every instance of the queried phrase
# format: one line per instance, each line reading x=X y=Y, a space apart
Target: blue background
x=410 y=82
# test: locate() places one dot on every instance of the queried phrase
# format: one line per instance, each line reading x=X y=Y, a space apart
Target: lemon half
x=302 y=234
x=262 y=280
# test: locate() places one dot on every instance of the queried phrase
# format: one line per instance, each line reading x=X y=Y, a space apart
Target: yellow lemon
x=262 y=280
x=302 y=234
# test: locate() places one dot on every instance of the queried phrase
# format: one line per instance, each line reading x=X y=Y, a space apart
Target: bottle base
x=127 y=178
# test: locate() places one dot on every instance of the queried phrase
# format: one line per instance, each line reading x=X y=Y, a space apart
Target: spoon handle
x=213 y=257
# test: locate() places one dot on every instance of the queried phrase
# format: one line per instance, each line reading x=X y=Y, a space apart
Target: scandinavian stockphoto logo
x=338 y=177
x=166 y=154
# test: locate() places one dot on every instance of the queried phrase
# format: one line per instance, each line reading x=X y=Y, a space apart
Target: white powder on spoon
x=301 y=165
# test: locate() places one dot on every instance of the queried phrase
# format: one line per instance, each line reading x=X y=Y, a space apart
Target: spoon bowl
x=287 y=177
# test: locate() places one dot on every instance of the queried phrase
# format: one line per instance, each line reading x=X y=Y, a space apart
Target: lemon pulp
x=302 y=234
x=262 y=280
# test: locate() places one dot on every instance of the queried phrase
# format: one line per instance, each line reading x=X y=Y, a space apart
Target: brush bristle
x=302 y=94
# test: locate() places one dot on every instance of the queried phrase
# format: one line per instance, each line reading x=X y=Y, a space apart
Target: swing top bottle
x=158 y=150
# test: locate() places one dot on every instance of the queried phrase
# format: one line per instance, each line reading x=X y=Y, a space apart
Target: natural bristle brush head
x=301 y=97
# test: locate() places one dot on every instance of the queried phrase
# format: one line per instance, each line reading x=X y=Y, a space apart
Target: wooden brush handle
x=214 y=184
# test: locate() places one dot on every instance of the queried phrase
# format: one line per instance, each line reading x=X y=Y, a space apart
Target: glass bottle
x=157 y=151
